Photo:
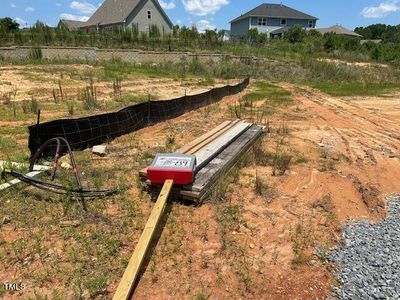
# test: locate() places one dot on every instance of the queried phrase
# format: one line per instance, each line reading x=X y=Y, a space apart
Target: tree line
x=296 y=41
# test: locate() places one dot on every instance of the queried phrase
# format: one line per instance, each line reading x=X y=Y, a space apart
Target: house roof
x=117 y=11
x=338 y=30
x=283 y=30
x=73 y=25
x=275 y=11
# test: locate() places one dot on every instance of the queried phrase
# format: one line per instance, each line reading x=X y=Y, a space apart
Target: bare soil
x=258 y=245
x=352 y=149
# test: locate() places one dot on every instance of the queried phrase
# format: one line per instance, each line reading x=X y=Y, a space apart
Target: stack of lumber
x=216 y=153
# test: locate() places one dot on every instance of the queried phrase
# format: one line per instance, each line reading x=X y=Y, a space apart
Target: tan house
x=124 y=14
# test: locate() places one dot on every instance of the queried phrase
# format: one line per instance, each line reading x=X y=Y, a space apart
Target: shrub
x=281 y=164
x=34 y=105
x=70 y=106
x=295 y=34
x=35 y=53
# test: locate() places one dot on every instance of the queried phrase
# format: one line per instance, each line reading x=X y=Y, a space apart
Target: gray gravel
x=370 y=258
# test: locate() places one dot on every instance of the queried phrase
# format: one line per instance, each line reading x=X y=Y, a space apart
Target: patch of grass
x=274 y=95
x=279 y=160
x=117 y=69
x=207 y=81
x=261 y=186
x=89 y=96
x=327 y=165
x=129 y=99
x=10 y=150
x=96 y=285
x=281 y=163
x=71 y=107
x=301 y=159
x=301 y=241
x=326 y=205
x=357 y=88
x=13 y=130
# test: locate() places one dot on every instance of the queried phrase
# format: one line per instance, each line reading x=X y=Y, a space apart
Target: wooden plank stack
x=217 y=152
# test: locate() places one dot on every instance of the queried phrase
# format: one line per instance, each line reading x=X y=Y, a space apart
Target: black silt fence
x=87 y=132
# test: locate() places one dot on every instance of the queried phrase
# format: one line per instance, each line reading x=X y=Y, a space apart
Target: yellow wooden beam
x=132 y=271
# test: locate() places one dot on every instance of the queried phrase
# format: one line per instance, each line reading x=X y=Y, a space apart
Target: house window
x=283 y=22
x=310 y=23
x=149 y=14
x=262 y=21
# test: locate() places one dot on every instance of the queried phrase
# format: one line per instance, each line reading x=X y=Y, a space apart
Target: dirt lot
x=258 y=236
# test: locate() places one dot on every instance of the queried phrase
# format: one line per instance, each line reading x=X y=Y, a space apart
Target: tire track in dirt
x=362 y=131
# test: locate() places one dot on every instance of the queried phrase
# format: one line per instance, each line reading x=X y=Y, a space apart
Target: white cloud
x=83 y=7
x=382 y=10
x=202 y=25
x=22 y=23
x=30 y=9
x=167 y=5
x=203 y=7
x=74 y=17
x=12 y=5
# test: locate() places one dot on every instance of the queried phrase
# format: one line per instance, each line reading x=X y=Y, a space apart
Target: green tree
x=295 y=34
x=252 y=36
x=351 y=44
x=7 y=24
x=331 y=42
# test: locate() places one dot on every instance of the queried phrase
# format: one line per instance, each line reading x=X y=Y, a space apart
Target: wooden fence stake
x=132 y=271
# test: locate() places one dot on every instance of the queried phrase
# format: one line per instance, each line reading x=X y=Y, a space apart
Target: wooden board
x=191 y=145
x=209 y=151
x=224 y=161
x=208 y=140
x=36 y=171
x=131 y=273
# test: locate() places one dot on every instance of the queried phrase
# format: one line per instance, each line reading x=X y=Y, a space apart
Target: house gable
x=124 y=13
x=139 y=16
x=269 y=17
x=275 y=11
x=240 y=27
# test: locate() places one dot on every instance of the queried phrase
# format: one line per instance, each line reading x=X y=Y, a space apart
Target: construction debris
x=216 y=152
x=78 y=192
x=99 y=150
x=6 y=220
x=36 y=170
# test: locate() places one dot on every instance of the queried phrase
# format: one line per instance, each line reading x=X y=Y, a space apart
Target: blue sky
x=212 y=13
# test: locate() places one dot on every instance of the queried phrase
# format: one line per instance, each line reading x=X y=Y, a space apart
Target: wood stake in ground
x=131 y=273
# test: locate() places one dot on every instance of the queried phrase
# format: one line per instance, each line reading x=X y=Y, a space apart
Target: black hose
x=59 y=189
x=55 y=188
x=58 y=140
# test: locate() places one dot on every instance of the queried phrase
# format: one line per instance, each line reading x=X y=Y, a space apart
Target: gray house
x=123 y=14
x=268 y=18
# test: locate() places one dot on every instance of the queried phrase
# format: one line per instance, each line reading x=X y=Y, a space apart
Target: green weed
x=357 y=88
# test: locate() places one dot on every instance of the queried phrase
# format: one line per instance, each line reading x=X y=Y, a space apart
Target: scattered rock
x=252 y=246
x=6 y=220
x=368 y=259
x=99 y=150
x=312 y=262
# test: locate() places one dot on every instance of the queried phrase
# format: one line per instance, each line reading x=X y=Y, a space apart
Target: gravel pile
x=370 y=258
